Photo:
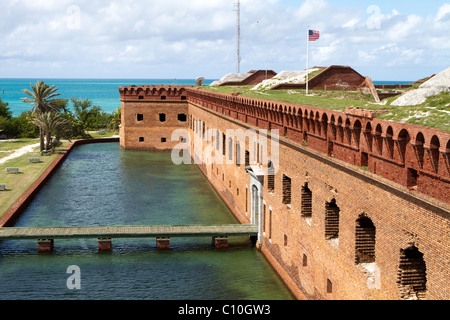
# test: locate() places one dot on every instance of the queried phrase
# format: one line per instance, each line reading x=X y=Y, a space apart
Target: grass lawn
x=8 y=146
x=17 y=184
x=332 y=100
x=103 y=134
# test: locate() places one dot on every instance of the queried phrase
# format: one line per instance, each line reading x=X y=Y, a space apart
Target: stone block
x=45 y=245
x=104 y=244
x=163 y=243
x=220 y=242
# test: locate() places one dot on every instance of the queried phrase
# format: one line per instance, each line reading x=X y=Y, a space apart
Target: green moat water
x=101 y=184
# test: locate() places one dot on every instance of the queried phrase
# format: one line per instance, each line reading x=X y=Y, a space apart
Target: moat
x=101 y=184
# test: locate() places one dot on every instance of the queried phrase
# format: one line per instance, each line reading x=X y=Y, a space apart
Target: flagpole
x=307 y=59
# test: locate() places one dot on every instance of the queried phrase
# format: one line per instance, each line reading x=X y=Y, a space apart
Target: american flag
x=314 y=35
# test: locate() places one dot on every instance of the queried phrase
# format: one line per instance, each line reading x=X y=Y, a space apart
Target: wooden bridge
x=46 y=236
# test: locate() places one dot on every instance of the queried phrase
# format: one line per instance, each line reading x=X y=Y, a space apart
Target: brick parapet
x=158 y=93
x=414 y=156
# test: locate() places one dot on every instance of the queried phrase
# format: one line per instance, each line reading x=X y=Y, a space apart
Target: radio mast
x=238 y=36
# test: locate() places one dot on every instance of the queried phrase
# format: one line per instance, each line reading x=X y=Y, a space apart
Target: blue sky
x=385 y=40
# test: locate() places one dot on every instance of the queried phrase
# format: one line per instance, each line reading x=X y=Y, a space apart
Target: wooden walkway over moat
x=46 y=235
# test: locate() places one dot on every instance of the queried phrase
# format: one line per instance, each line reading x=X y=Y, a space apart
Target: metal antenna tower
x=238 y=36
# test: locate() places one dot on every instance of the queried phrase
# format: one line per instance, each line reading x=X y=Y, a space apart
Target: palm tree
x=49 y=122
x=115 y=119
x=42 y=98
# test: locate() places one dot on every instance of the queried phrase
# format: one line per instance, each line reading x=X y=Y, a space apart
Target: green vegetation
x=11 y=145
x=434 y=113
x=17 y=184
x=332 y=100
x=53 y=118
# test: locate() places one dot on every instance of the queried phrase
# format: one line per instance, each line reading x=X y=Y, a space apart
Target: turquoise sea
x=102 y=92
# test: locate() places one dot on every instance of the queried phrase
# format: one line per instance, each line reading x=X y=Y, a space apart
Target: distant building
x=331 y=78
x=253 y=77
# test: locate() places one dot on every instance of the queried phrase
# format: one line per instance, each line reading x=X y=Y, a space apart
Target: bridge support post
x=163 y=243
x=253 y=240
x=220 y=242
x=45 y=245
x=104 y=244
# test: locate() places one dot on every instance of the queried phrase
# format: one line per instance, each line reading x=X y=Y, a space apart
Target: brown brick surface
x=325 y=149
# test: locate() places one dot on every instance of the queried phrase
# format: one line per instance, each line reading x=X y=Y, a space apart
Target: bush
x=20 y=127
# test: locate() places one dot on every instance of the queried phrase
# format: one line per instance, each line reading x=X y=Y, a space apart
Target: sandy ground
x=19 y=152
x=432 y=87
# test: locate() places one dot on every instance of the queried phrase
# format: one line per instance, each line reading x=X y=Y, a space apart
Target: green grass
x=17 y=184
x=331 y=100
x=434 y=113
x=16 y=144
x=103 y=134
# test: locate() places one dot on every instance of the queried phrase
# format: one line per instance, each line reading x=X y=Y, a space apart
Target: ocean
x=102 y=92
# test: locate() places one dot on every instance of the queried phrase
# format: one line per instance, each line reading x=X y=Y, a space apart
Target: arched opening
x=331 y=220
x=434 y=153
x=390 y=142
x=411 y=277
x=287 y=190
x=333 y=128
x=357 y=132
x=368 y=135
x=340 y=130
x=325 y=125
x=306 y=208
x=312 y=122
x=420 y=151
x=403 y=142
x=364 y=240
x=255 y=205
x=378 y=139
x=348 y=133
x=270 y=177
x=238 y=153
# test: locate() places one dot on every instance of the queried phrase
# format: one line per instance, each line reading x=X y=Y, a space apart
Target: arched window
x=306 y=202
x=364 y=240
x=238 y=153
x=270 y=177
x=217 y=140
x=286 y=190
x=331 y=220
x=411 y=277
x=230 y=149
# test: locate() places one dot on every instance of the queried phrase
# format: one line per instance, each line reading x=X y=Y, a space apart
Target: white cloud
x=136 y=38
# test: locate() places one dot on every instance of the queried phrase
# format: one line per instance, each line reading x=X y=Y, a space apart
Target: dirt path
x=18 y=152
